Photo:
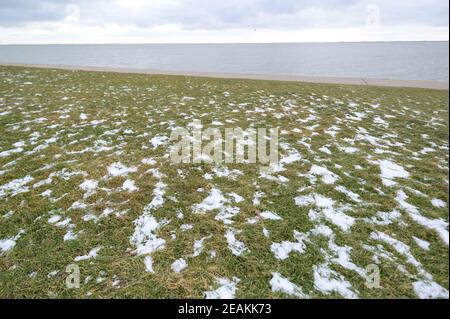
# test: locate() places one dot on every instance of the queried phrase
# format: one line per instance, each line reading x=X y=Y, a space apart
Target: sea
x=381 y=60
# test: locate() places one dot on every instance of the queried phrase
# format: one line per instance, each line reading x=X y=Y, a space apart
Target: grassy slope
x=153 y=105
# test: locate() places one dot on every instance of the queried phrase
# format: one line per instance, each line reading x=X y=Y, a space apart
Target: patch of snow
x=9 y=243
x=353 y=196
x=438 y=225
x=304 y=200
x=158 y=141
x=215 y=200
x=237 y=247
x=426 y=289
x=148 y=161
x=283 y=249
x=385 y=218
x=148 y=262
x=402 y=249
x=178 y=265
x=438 y=203
x=15 y=187
x=327 y=281
x=185 y=227
x=54 y=219
x=70 y=235
x=227 y=289
x=118 y=169
x=145 y=238
x=92 y=254
x=270 y=215
x=425 y=245
x=158 y=199
x=281 y=284
x=325 y=150
x=129 y=186
x=327 y=177
x=390 y=171
x=198 y=246
x=89 y=186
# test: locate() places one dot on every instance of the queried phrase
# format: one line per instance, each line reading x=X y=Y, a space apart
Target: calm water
x=393 y=60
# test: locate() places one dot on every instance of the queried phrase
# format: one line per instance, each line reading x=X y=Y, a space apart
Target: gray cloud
x=231 y=14
x=19 y=12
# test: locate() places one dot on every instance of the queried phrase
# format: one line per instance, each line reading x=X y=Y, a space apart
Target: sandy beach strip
x=437 y=85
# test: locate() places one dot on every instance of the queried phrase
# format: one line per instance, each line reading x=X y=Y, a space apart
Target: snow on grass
x=293 y=156
x=325 y=150
x=268 y=174
x=327 y=281
x=129 y=186
x=326 y=209
x=426 y=289
x=158 y=199
x=198 y=246
x=54 y=219
x=8 y=215
x=425 y=245
x=118 y=169
x=89 y=186
x=148 y=161
x=78 y=205
x=403 y=250
x=326 y=144
x=159 y=140
x=336 y=216
x=341 y=255
x=148 y=262
x=390 y=171
x=227 y=289
x=70 y=235
x=270 y=216
x=237 y=247
x=11 y=151
x=63 y=174
x=224 y=172
x=349 y=149
x=401 y=200
x=92 y=254
x=353 y=196
x=215 y=200
x=281 y=284
x=304 y=200
x=438 y=225
x=385 y=218
x=145 y=235
x=179 y=265
x=9 y=243
x=438 y=203
x=326 y=176
x=15 y=187
x=257 y=198
x=185 y=227
x=283 y=249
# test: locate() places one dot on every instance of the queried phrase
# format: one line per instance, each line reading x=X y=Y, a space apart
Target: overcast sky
x=205 y=21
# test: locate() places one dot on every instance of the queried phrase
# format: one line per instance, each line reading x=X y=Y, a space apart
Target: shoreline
x=424 y=84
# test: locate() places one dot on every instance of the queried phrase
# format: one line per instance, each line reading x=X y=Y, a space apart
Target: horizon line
x=219 y=43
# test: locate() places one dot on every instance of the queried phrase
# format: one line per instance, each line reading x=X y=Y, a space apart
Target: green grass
x=153 y=105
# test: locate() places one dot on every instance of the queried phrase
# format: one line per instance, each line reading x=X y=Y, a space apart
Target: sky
x=221 y=21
